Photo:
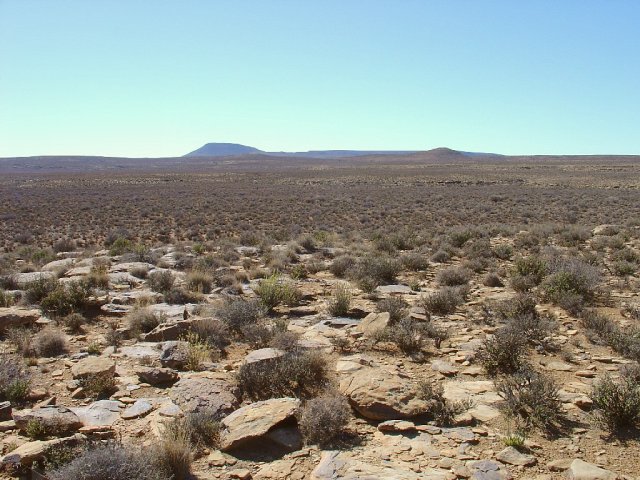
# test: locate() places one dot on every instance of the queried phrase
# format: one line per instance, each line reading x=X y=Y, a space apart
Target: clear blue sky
x=161 y=78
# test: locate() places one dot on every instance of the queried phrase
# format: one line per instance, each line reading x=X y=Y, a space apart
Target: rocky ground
x=390 y=434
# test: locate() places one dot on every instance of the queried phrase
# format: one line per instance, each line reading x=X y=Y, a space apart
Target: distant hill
x=222 y=150
x=235 y=149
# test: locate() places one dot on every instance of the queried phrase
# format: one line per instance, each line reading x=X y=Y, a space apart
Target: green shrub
x=414 y=262
x=38 y=289
x=341 y=265
x=372 y=271
x=503 y=251
x=571 y=278
x=66 y=299
x=533 y=268
x=324 y=418
x=273 y=291
x=623 y=268
x=298 y=373
x=616 y=403
x=120 y=246
x=340 y=301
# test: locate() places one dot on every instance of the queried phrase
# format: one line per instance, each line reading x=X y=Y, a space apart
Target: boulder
x=444 y=367
x=581 y=470
x=57 y=421
x=91 y=366
x=5 y=411
x=373 y=323
x=512 y=456
x=24 y=279
x=380 y=394
x=156 y=375
x=12 y=317
x=205 y=391
x=255 y=420
x=58 y=265
x=174 y=354
x=169 y=331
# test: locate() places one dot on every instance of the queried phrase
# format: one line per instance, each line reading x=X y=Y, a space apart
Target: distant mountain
x=222 y=150
x=235 y=149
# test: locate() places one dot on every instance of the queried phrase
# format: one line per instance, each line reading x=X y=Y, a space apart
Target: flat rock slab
x=263 y=355
x=92 y=366
x=58 y=265
x=205 y=391
x=380 y=394
x=444 y=367
x=142 y=350
x=140 y=408
x=342 y=466
x=100 y=413
x=395 y=289
x=156 y=375
x=255 y=420
x=581 y=470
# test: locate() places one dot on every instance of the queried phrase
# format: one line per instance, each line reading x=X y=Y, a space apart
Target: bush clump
x=111 y=462
x=531 y=398
x=571 y=280
x=324 y=419
x=239 y=312
x=49 y=343
x=161 y=281
x=141 y=320
x=443 y=302
x=372 y=271
x=504 y=352
x=440 y=409
x=454 y=276
x=274 y=291
x=15 y=380
x=341 y=265
x=617 y=403
x=66 y=299
x=297 y=373
x=199 y=281
x=340 y=302
x=396 y=307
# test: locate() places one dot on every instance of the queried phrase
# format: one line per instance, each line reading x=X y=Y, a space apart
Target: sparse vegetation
x=324 y=419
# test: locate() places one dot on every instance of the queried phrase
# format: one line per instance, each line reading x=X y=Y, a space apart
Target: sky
x=150 y=78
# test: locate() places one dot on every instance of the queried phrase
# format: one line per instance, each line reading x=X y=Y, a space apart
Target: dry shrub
x=617 y=403
x=111 y=461
x=298 y=373
x=141 y=320
x=454 y=276
x=199 y=281
x=50 y=343
x=239 y=312
x=274 y=291
x=396 y=307
x=443 y=302
x=340 y=301
x=532 y=399
x=324 y=419
x=504 y=352
x=440 y=409
x=161 y=281
x=15 y=380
